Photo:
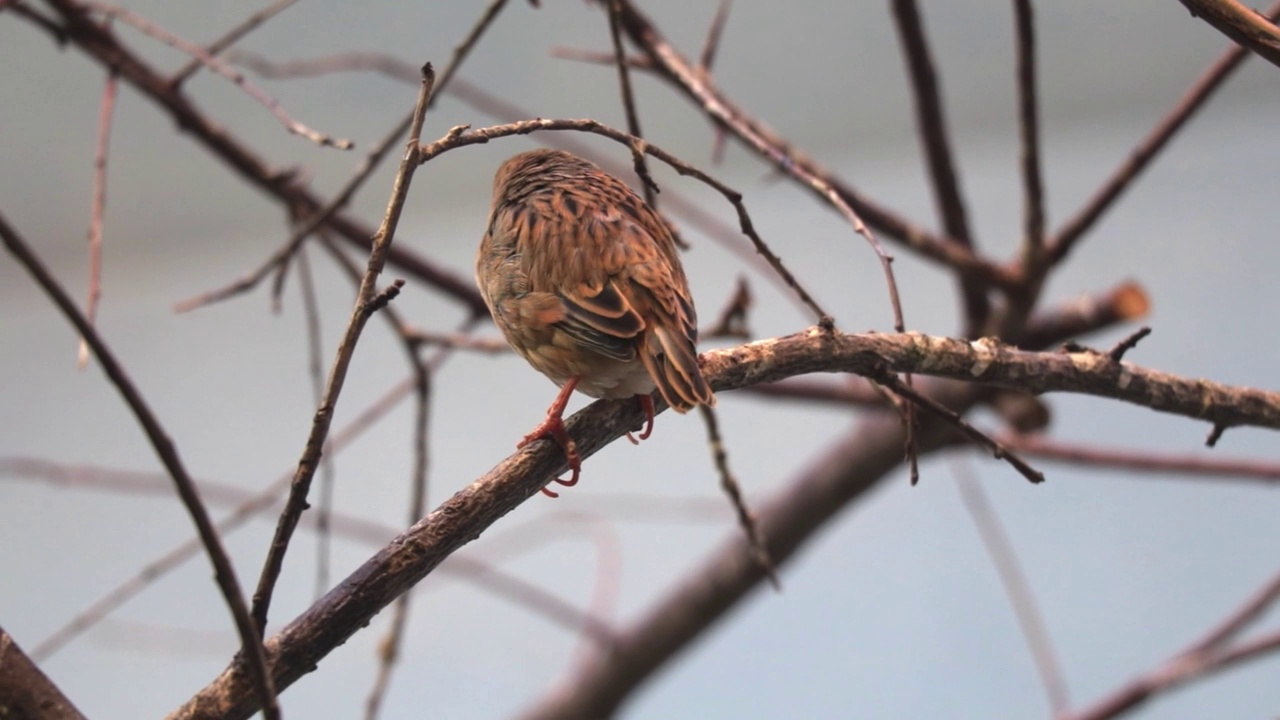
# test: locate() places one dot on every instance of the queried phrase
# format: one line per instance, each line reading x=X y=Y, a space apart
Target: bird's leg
x=646 y=404
x=552 y=428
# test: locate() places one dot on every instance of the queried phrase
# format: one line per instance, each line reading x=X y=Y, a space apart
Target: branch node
x=1215 y=434
x=1117 y=353
x=383 y=298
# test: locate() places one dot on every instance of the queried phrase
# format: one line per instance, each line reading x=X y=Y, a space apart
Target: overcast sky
x=893 y=611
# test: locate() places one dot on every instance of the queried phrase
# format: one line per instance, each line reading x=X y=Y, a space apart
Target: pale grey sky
x=893 y=611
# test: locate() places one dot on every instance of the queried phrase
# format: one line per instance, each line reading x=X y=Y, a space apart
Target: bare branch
x=849 y=469
x=224 y=571
x=236 y=77
x=932 y=123
x=732 y=322
x=1016 y=586
x=106 y=111
x=1196 y=467
x=730 y=485
x=368 y=299
x=25 y=691
x=103 y=47
x=647 y=185
x=463 y=135
x=1144 y=152
x=793 y=163
x=1204 y=658
x=1029 y=134
x=231 y=37
x=1242 y=24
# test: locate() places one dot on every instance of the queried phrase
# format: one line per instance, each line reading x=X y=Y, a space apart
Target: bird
x=583 y=279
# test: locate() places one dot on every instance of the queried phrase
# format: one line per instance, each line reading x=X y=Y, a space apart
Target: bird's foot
x=646 y=404
x=552 y=428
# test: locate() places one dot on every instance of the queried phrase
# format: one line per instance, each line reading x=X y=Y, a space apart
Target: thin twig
x=647 y=185
x=951 y=417
x=1249 y=612
x=460 y=341
x=792 y=162
x=1198 y=661
x=389 y=648
x=500 y=109
x=480 y=573
x=105 y=113
x=1117 y=353
x=1016 y=585
x=595 y=57
x=315 y=371
x=357 y=180
x=730 y=485
x=463 y=135
x=1145 y=151
x=365 y=302
x=1197 y=467
x=251 y=508
x=732 y=322
x=231 y=37
x=708 y=56
x=236 y=77
x=224 y=571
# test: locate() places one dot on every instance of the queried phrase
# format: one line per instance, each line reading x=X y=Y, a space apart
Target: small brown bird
x=583 y=279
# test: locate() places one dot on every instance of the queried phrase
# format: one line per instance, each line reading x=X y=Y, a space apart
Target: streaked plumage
x=583 y=279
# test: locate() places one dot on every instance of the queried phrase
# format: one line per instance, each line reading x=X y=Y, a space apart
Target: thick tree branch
x=870 y=454
x=25 y=692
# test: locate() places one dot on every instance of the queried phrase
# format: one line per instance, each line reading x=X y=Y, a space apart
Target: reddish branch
x=1205 y=657
x=1144 y=152
x=105 y=113
x=1200 y=467
x=1240 y=23
x=214 y=64
x=232 y=36
x=79 y=30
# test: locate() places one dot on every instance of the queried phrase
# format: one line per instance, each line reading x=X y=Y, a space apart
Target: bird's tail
x=672 y=362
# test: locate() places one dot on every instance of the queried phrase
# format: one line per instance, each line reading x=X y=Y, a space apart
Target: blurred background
x=895 y=610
